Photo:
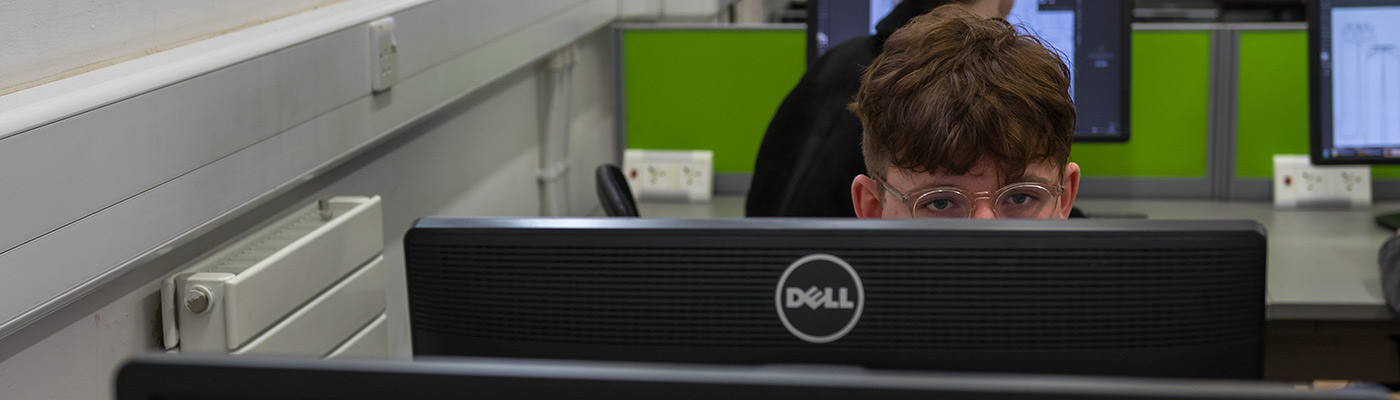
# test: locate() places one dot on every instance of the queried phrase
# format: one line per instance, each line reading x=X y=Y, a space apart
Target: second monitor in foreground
x=1140 y=298
x=194 y=377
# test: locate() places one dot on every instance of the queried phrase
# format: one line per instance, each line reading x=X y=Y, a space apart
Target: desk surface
x=1322 y=263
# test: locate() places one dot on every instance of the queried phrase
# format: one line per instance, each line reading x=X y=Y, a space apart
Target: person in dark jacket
x=811 y=150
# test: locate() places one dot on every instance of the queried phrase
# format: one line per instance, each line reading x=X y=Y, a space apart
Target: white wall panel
x=457 y=137
x=590 y=146
x=371 y=341
x=473 y=157
x=698 y=10
x=130 y=231
x=44 y=38
x=435 y=32
x=44 y=104
x=639 y=9
x=82 y=164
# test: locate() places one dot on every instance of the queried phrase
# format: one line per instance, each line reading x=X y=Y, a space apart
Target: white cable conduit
x=554 y=134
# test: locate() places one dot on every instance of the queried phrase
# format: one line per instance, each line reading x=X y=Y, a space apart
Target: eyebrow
x=1034 y=179
x=1024 y=179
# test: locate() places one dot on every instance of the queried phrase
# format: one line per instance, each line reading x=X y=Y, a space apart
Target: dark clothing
x=811 y=151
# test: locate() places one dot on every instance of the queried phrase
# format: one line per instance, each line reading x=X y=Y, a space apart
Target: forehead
x=982 y=177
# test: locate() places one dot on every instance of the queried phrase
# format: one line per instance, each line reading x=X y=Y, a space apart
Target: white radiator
x=310 y=283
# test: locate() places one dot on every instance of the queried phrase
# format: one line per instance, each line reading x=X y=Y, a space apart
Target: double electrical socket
x=670 y=174
x=1299 y=184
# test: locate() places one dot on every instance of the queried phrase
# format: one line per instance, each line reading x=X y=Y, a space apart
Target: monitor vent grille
x=931 y=299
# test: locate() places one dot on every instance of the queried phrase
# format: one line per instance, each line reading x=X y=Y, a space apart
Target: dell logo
x=816 y=298
x=819 y=298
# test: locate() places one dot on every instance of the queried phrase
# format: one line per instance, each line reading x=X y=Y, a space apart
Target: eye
x=940 y=204
x=1022 y=198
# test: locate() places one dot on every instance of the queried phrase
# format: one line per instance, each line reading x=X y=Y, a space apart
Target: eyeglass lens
x=1029 y=201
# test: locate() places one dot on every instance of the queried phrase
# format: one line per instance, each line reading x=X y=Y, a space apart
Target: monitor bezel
x=1125 y=85
x=146 y=377
x=1315 y=93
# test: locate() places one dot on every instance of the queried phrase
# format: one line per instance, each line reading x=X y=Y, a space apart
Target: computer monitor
x=244 y=378
x=832 y=22
x=1095 y=37
x=1354 y=60
x=1094 y=297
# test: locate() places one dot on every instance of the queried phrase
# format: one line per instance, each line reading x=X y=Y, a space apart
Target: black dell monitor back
x=245 y=378
x=1097 y=297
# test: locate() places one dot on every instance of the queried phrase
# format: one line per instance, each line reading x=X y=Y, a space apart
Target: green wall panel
x=708 y=89
x=1273 y=103
x=1171 y=85
x=683 y=93
x=1388 y=172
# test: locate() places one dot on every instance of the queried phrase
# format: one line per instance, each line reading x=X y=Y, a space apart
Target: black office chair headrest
x=613 y=192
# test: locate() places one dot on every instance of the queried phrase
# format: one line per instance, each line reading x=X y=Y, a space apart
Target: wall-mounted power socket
x=670 y=174
x=1300 y=184
x=384 y=55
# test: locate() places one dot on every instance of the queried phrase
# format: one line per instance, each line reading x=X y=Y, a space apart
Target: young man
x=812 y=147
x=965 y=117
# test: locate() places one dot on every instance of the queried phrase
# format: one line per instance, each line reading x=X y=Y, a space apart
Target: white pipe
x=554 y=135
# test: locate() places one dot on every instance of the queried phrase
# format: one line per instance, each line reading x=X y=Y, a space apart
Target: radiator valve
x=198 y=299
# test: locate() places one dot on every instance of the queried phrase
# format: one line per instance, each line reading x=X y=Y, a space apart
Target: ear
x=1071 y=189
x=865 y=197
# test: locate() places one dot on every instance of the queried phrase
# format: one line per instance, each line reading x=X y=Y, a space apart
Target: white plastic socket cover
x=384 y=55
x=670 y=174
x=1299 y=184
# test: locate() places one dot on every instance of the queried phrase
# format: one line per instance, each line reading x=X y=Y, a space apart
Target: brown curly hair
x=951 y=88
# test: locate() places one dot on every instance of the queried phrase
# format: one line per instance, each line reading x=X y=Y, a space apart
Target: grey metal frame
x=1223 y=113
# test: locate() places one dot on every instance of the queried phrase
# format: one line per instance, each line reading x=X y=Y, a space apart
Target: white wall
x=51 y=39
x=675 y=10
x=472 y=155
x=759 y=11
x=477 y=157
x=177 y=142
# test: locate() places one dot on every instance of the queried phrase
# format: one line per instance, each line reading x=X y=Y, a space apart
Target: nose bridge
x=987 y=212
